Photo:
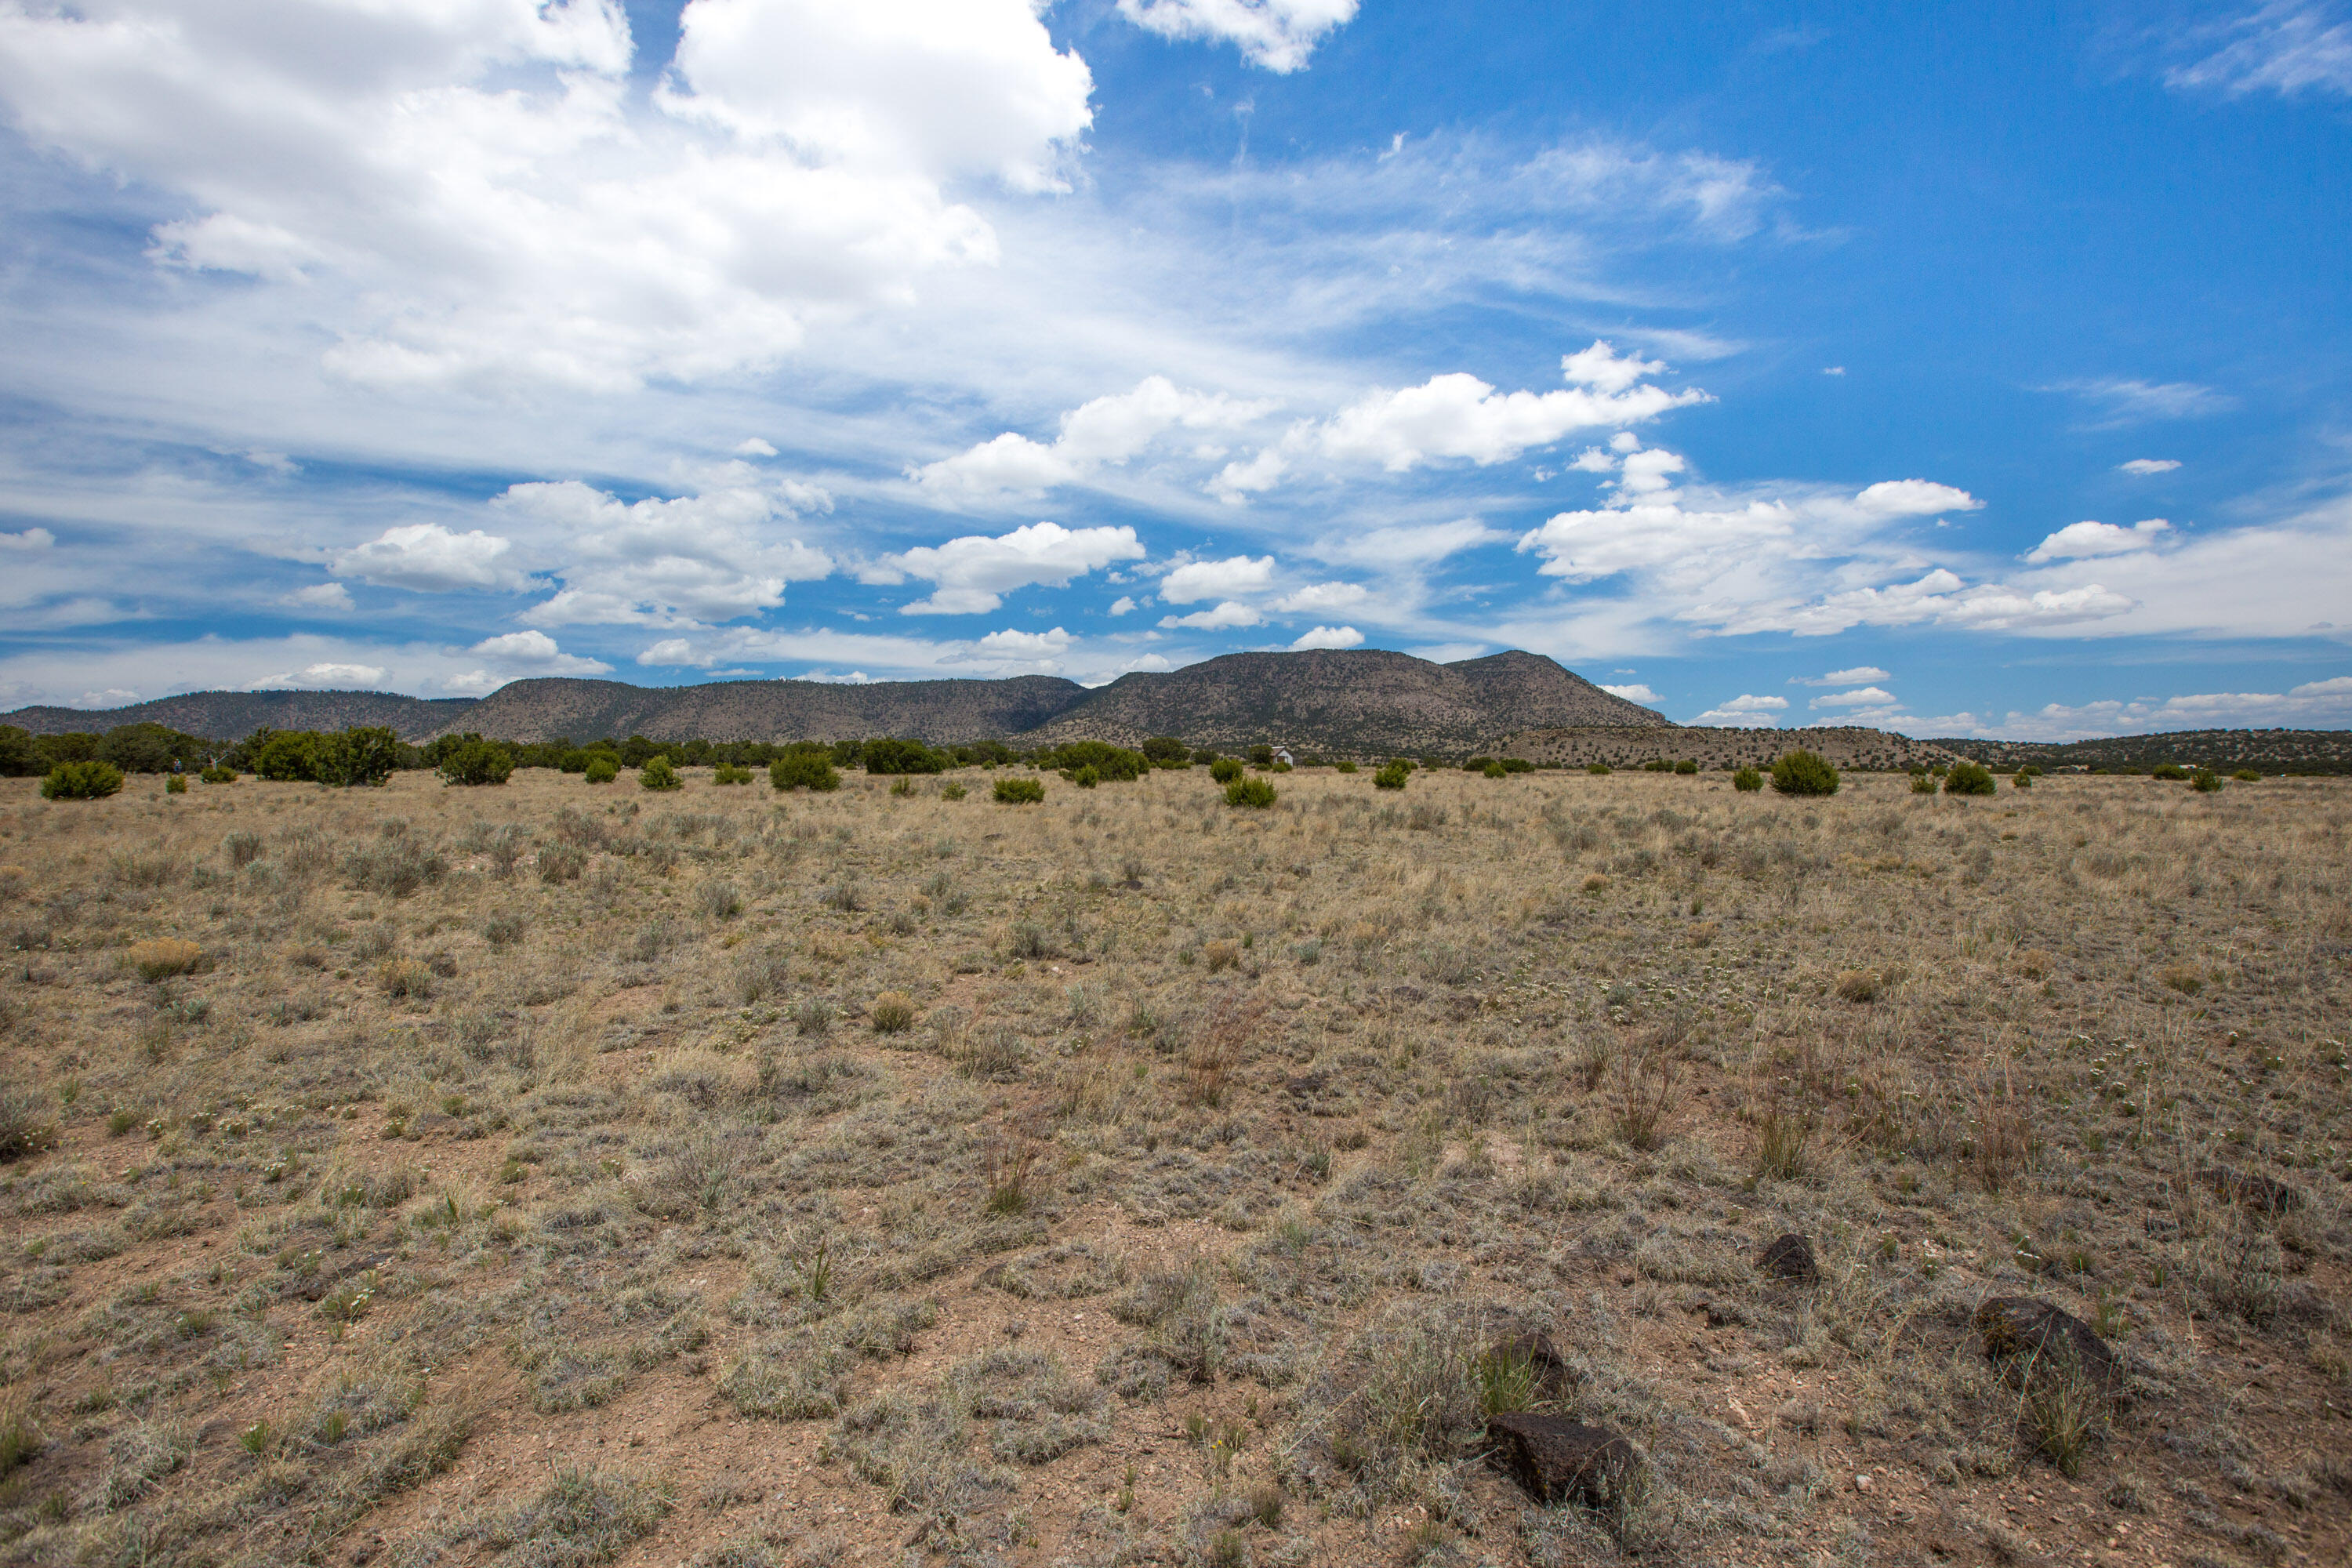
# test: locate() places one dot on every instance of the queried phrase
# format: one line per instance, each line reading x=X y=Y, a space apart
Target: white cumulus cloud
x=1318 y=597
x=469 y=190
x=971 y=575
x=1860 y=697
x=690 y=559
x=1221 y=618
x=1330 y=637
x=431 y=559
x=1107 y=431
x=320 y=596
x=1457 y=415
x=1634 y=693
x=1197 y=580
x=2144 y=467
x=2079 y=540
x=30 y=538
x=535 y=651
x=1746 y=710
x=327 y=676
x=1275 y=34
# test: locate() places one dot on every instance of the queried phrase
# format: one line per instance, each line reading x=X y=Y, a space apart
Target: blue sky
x=1962 y=370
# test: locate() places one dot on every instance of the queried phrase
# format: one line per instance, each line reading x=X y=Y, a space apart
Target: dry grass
x=561 y=1173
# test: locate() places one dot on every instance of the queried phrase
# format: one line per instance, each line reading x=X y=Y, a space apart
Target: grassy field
x=556 y=1174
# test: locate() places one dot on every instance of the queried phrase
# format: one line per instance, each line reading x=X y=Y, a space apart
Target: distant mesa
x=233 y=715
x=1360 y=700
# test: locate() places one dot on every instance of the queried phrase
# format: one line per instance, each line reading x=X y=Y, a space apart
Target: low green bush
x=1598 y=770
x=1496 y=771
x=1086 y=777
x=1344 y=765
x=809 y=770
x=1923 y=783
x=477 y=763
x=887 y=754
x=601 y=770
x=1804 y=773
x=1020 y=792
x=1256 y=793
x=2247 y=776
x=218 y=774
x=2022 y=781
x=659 y=774
x=1226 y=770
x=82 y=780
x=1686 y=766
x=175 y=783
x=1746 y=780
x=729 y=773
x=1970 y=778
x=2205 y=781
x=1391 y=777
x=2172 y=771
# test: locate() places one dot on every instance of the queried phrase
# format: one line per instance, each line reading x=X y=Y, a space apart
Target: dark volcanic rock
x=1789 y=1257
x=1557 y=1459
x=2037 y=1337
x=1534 y=1347
x=2252 y=1189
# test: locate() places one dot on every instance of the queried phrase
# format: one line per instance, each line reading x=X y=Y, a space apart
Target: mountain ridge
x=1361 y=700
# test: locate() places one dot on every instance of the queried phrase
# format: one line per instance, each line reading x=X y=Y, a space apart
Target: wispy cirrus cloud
x=2287 y=47
x=2117 y=401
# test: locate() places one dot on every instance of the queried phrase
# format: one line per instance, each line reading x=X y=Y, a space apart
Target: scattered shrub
x=957 y=792
x=1923 y=783
x=1495 y=771
x=1746 y=780
x=164 y=957
x=2023 y=780
x=2173 y=772
x=82 y=780
x=601 y=770
x=1086 y=777
x=477 y=763
x=218 y=774
x=1686 y=767
x=1254 y=794
x=660 y=775
x=1344 y=765
x=1391 y=777
x=2205 y=781
x=1858 y=984
x=1970 y=778
x=893 y=1013
x=1226 y=770
x=809 y=770
x=729 y=773
x=889 y=755
x=2247 y=776
x=22 y=1129
x=1804 y=773
x=1020 y=792
x=176 y=784
x=1598 y=770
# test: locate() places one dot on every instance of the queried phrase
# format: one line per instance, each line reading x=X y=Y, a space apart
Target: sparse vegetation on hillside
x=1617 y=1169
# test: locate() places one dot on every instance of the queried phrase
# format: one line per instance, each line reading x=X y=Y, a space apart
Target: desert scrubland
x=556 y=1174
